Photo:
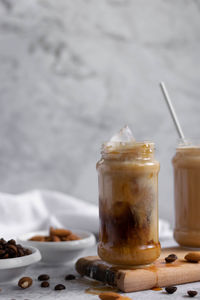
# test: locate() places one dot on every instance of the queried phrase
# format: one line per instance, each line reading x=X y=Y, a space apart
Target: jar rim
x=188 y=144
x=125 y=147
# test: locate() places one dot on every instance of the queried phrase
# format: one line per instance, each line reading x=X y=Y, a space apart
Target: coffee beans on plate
x=11 y=249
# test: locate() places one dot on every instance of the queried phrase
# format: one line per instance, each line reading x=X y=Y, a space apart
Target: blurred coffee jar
x=128 y=203
x=186 y=163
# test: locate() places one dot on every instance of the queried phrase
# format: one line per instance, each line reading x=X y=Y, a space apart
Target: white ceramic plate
x=59 y=252
x=12 y=268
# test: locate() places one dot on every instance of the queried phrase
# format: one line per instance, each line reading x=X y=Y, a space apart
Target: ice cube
x=123 y=136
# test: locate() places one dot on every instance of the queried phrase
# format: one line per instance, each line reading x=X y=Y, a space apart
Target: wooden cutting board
x=159 y=274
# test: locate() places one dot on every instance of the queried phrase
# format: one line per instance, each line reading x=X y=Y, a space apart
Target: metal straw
x=172 y=111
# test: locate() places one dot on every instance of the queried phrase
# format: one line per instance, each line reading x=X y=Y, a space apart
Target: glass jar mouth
x=140 y=149
x=188 y=144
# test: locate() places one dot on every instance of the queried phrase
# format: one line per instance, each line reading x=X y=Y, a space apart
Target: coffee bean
x=59 y=287
x=27 y=252
x=43 y=277
x=192 y=293
x=70 y=277
x=12 y=242
x=171 y=258
x=11 y=251
x=6 y=256
x=44 y=284
x=13 y=248
x=171 y=289
x=2 y=252
x=20 y=251
x=2 y=241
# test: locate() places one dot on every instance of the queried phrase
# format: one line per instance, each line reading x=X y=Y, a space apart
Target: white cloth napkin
x=39 y=209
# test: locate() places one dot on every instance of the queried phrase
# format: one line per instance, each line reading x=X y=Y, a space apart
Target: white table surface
x=75 y=289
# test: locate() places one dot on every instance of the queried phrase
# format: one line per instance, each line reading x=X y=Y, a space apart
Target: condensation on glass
x=128 y=204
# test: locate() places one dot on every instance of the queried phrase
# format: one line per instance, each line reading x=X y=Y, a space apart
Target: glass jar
x=186 y=164
x=128 y=204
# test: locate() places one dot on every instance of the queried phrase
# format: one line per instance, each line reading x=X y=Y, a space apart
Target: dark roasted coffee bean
x=43 y=277
x=171 y=258
x=13 y=247
x=44 y=284
x=171 y=289
x=6 y=256
x=192 y=293
x=12 y=242
x=11 y=252
x=2 y=252
x=20 y=251
x=70 y=277
x=27 y=252
x=59 y=287
x=2 y=241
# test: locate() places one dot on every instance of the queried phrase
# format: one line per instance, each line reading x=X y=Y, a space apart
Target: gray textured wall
x=74 y=72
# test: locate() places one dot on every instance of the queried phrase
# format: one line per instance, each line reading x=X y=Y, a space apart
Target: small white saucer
x=12 y=268
x=59 y=253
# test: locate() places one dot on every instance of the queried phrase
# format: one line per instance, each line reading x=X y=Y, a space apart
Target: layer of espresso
x=128 y=208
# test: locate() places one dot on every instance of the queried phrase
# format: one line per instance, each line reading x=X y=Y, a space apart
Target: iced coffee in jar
x=128 y=201
x=186 y=164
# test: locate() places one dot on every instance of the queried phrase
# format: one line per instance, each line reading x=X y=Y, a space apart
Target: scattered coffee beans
x=192 y=293
x=43 y=277
x=25 y=282
x=70 y=277
x=171 y=258
x=59 y=287
x=10 y=249
x=44 y=284
x=171 y=289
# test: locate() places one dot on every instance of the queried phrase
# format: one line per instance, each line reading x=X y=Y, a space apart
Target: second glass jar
x=128 y=205
x=186 y=164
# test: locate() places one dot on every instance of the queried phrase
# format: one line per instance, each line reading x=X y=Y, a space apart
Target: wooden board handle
x=92 y=267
